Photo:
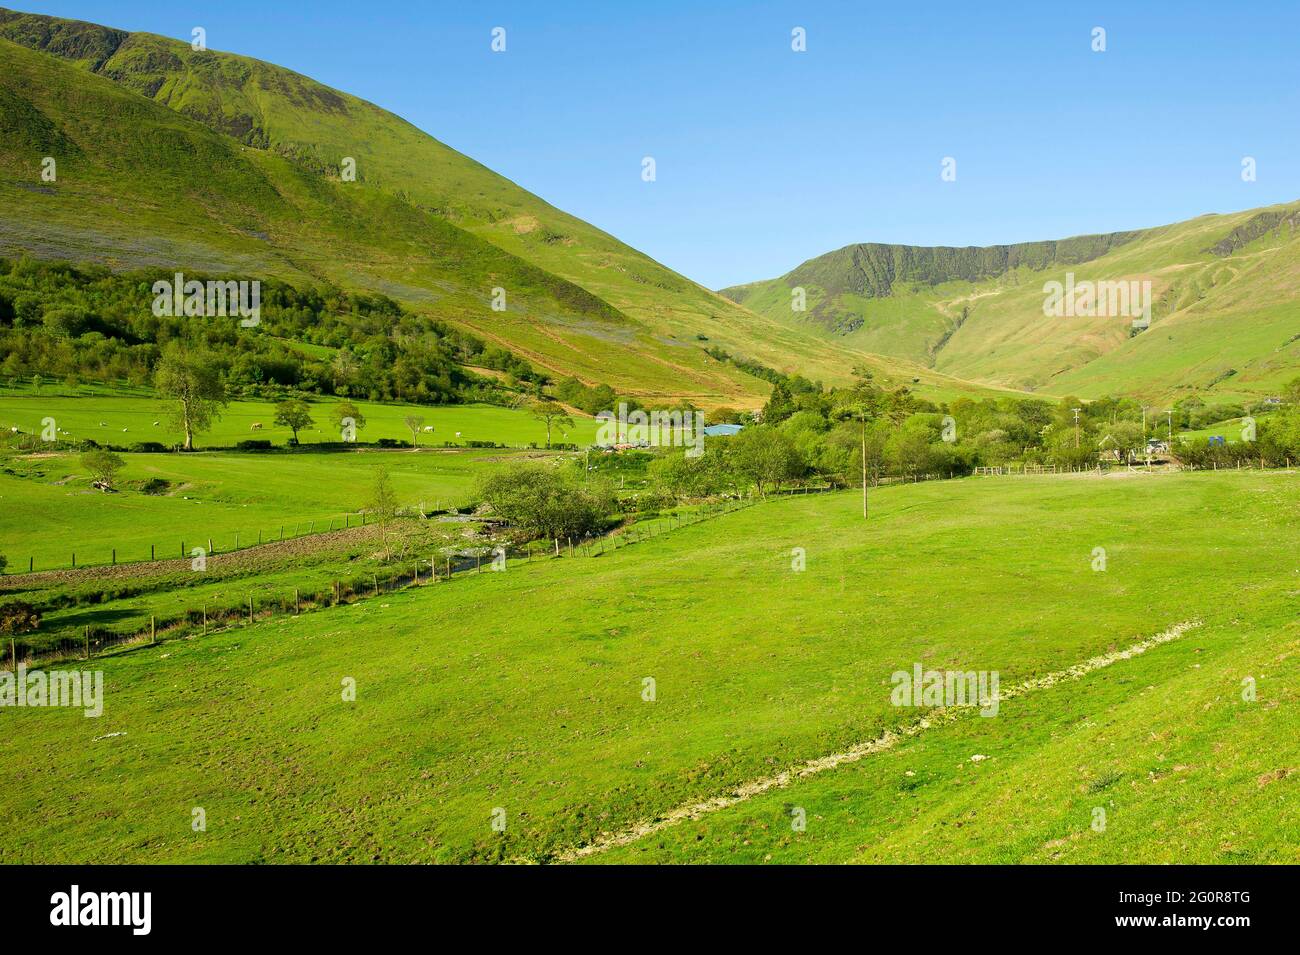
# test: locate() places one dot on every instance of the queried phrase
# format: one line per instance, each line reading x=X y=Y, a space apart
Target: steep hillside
x=1222 y=291
x=175 y=157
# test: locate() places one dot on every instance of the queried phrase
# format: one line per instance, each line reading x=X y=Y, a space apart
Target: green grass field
x=52 y=512
x=124 y=420
x=461 y=710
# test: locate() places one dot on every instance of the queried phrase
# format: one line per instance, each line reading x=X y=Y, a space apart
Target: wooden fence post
x=153 y=629
x=250 y=608
x=295 y=601
x=87 y=641
x=205 y=620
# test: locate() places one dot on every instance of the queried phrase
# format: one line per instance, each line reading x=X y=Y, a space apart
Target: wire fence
x=213 y=616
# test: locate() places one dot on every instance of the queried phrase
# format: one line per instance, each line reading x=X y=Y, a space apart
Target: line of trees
x=86 y=323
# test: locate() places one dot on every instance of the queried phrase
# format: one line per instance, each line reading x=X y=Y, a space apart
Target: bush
x=149 y=447
x=545 y=502
x=18 y=617
x=155 y=486
x=253 y=444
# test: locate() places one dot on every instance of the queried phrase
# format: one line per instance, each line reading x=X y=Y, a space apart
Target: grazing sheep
x=458 y=434
x=428 y=429
x=103 y=424
x=124 y=430
x=155 y=424
x=257 y=426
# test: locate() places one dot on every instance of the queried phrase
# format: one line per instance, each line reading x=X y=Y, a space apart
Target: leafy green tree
x=910 y=448
x=765 y=457
x=780 y=404
x=382 y=504
x=193 y=382
x=542 y=501
x=680 y=476
x=295 y=415
x=103 y=466
x=553 y=414
x=414 y=422
x=344 y=410
x=1292 y=392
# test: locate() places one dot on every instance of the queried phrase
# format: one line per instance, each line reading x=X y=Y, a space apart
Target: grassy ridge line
x=580 y=301
x=1222 y=315
x=885 y=741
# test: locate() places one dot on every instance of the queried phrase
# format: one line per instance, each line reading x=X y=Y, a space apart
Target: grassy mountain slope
x=1222 y=320
x=253 y=152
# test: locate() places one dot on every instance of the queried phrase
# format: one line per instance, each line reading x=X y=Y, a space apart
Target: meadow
x=48 y=511
x=546 y=721
x=111 y=417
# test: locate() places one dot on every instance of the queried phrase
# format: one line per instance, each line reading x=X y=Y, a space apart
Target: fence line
x=186 y=546
x=216 y=617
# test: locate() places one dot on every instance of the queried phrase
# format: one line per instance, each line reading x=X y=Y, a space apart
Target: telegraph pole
x=1076 y=426
x=864 y=465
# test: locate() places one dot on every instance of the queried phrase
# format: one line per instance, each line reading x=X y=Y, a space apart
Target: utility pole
x=864 y=466
x=1076 y=426
x=1170 y=415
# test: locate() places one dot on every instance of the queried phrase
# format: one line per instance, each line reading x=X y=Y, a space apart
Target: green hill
x=1222 y=319
x=171 y=157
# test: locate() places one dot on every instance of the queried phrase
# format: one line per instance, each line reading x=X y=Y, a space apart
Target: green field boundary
x=195 y=621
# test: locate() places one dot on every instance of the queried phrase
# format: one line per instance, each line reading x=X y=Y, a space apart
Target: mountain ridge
x=1220 y=284
x=645 y=338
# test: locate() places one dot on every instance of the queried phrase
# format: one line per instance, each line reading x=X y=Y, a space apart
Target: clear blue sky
x=767 y=157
